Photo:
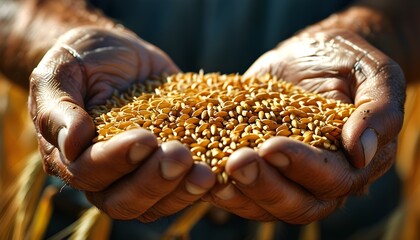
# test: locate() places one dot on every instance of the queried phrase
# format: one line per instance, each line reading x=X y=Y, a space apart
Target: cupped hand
x=129 y=176
x=339 y=64
x=294 y=182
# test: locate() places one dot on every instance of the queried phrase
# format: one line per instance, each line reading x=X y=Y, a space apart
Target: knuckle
x=53 y=165
x=311 y=212
x=178 y=202
x=153 y=214
x=336 y=187
x=152 y=192
x=147 y=217
x=119 y=210
x=274 y=199
x=84 y=183
x=335 y=193
x=262 y=216
x=358 y=183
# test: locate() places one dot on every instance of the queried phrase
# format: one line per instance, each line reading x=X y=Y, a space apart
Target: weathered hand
x=294 y=182
x=341 y=65
x=129 y=176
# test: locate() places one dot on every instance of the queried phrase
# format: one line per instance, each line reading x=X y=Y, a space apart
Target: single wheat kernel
x=215 y=114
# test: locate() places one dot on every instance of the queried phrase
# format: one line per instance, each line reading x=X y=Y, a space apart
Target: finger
x=198 y=181
x=229 y=197
x=67 y=126
x=157 y=177
x=378 y=90
x=379 y=115
x=107 y=161
x=279 y=196
x=51 y=159
x=325 y=174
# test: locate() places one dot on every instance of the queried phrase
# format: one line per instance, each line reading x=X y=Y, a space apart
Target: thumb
x=65 y=125
x=379 y=115
x=56 y=106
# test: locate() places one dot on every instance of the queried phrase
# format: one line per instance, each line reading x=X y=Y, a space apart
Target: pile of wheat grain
x=215 y=114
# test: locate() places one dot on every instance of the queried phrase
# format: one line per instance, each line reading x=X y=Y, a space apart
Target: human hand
x=129 y=176
x=297 y=183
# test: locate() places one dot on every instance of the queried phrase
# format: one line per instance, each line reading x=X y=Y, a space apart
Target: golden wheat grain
x=215 y=114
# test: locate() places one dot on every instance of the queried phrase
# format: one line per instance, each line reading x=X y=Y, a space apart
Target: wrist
x=31 y=27
x=382 y=27
x=371 y=24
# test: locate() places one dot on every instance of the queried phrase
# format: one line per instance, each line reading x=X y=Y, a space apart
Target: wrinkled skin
x=132 y=177
x=129 y=176
x=290 y=181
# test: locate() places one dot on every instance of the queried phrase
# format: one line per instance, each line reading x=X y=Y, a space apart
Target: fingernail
x=194 y=189
x=61 y=137
x=247 y=174
x=226 y=193
x=171 y=169
x=278 y=159
x=369 y=141
x=138 y=152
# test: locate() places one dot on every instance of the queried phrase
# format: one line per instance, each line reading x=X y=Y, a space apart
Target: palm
x=339 y=65
x=102 y=61
x=83 y=69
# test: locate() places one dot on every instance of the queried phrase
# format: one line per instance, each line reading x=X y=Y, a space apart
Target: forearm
x=393 y=26
x=28 y=28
